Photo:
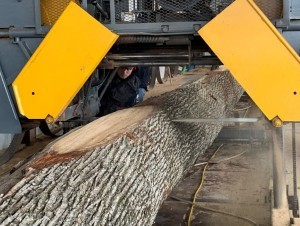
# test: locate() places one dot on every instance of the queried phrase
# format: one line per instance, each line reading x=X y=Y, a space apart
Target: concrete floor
x=239 y=187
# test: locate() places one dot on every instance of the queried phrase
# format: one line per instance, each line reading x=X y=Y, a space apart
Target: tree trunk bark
x=118 y=169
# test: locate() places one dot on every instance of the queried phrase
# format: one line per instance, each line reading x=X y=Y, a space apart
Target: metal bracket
x=24 y=47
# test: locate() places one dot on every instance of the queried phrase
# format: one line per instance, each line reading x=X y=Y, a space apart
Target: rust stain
x=130 y=136
x=52 y=158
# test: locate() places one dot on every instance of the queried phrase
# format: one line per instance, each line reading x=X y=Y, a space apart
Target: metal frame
x=163 y=28
x=9 y=119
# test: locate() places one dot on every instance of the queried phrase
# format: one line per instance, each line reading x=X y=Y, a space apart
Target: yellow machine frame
x=259 y=58
x=61 y=65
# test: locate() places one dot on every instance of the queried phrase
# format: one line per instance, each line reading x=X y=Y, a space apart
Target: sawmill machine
x=57 y=55
x=54 y=55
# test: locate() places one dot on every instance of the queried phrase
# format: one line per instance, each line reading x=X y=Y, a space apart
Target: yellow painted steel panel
x=62 y=63
x=258 y=57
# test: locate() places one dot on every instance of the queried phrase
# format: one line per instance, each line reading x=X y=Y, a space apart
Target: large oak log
x=118 y=169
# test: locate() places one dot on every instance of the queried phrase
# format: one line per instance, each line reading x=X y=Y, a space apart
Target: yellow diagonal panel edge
x=60 y=66
x=258 y=57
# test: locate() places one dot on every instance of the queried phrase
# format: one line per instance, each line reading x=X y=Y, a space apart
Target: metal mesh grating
x=156 y=11
x=52 y=9
x=271 y=8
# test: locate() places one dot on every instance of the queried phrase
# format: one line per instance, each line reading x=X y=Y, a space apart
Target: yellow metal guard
x=62 y=63
x=258 y=57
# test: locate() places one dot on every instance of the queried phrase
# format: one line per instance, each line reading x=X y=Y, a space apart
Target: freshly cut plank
x=118 y=169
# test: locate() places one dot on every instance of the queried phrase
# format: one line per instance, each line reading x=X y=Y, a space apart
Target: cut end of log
x=94 y=134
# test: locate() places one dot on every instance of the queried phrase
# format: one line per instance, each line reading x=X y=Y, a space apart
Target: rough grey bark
x=121 y=179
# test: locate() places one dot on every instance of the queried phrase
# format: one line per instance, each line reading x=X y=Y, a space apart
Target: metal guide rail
x=283 y=201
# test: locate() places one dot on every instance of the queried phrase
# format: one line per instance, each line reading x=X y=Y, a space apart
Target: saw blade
x=214 y=120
